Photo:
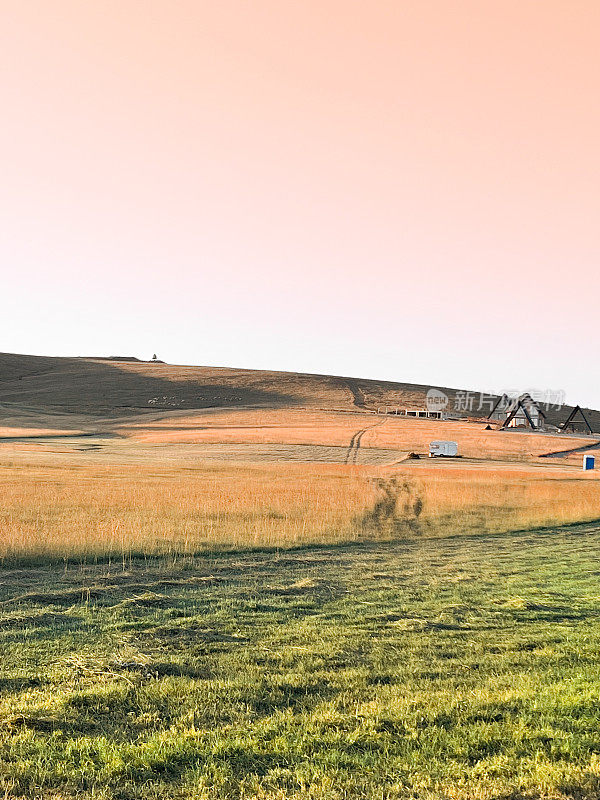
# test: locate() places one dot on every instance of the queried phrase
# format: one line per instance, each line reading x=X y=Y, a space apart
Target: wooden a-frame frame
x=571 y=418
x=516 y=404
x=519 y=404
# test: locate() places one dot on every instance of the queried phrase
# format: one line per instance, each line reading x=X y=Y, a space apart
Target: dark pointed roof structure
x=571 y=421
x=512 y=406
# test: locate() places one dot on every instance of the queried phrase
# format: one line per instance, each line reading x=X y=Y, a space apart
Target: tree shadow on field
x=397 y=508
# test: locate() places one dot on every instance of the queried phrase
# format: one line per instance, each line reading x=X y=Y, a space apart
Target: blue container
x=588 y=462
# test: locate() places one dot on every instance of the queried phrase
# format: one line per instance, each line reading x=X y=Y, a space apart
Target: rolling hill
x=157 y=403
x=117 y=386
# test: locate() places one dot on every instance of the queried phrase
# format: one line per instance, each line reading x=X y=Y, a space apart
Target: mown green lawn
x=456 y=668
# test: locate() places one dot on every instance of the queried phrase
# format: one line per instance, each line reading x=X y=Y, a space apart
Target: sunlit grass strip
x=90 y=512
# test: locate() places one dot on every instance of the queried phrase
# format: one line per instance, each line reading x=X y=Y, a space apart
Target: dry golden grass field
x=117 y=458
x=307 y=427
x=59 y=507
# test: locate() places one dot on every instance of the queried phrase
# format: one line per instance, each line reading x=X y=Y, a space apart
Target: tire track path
x=354 y=446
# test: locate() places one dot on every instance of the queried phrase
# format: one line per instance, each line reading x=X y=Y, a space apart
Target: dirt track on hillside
x=354 y=446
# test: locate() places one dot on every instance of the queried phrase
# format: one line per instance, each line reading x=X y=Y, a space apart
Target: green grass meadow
x=465 y=667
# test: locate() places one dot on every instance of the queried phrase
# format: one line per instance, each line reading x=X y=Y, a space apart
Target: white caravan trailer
x=448 y=449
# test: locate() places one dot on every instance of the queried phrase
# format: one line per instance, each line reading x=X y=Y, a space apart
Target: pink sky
x=402 y=190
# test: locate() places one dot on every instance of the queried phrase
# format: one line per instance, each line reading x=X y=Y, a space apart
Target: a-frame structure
x=529 y=409
x=571 y=421
x=519 y=409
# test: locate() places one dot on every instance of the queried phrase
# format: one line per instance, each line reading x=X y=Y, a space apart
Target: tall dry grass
x=61 y=511
x=496 y=500
x=87 y=511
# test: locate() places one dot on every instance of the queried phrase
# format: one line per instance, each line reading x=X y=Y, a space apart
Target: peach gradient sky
x=393 y=189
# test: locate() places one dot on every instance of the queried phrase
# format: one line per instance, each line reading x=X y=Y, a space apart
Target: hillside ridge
x=103 y=388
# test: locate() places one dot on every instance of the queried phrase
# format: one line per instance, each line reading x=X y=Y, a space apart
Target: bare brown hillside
x=109 y=387
x=90 y=394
